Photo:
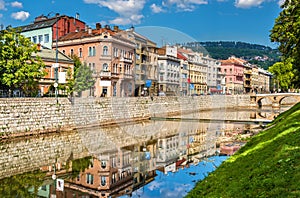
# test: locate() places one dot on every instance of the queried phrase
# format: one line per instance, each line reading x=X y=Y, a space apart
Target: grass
x=267 y=166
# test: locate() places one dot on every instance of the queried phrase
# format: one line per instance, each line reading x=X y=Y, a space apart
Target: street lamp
x=56 y=60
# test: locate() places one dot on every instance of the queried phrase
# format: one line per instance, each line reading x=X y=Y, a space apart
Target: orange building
x=109 y=54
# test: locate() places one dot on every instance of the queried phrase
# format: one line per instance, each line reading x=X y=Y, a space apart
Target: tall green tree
x=83 y=77
x=18 y=69
x=286 y=32
x=283 y=73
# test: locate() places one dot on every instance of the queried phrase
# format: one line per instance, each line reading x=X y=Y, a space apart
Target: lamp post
x=56 y=60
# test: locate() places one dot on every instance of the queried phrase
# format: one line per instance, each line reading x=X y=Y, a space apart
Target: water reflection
x=117 y=161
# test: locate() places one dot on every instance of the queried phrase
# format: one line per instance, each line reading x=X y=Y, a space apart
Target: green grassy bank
x=267 y=166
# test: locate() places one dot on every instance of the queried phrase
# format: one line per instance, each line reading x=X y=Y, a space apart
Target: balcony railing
x=126 y=60
x=105 y=73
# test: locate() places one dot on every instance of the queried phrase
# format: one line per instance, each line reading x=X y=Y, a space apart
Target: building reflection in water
x=116 y=161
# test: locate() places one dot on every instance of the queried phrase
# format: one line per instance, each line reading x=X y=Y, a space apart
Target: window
x=115 y=52
x=105 y=67
x=92 y=51
x=40 y=38
x=46 y=38
x=113 y=178
x=103 y=164
x=34 y=39
x=71 y=52
x=94 y=67
x=103 y=181
x=105 y=50
x=80 y=53
x=89 y=178
x=64 y=52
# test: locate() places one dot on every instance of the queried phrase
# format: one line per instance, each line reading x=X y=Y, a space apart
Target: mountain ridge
x=261 y=55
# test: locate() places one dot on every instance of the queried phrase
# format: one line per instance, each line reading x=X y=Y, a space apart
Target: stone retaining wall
x=25 y=116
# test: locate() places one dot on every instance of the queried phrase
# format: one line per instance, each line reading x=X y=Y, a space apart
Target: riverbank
x=267 y=166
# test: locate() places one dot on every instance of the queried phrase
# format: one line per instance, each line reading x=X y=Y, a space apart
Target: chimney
x=116 y=28
x=98 y=26
x=77 y=16
x=89 y=30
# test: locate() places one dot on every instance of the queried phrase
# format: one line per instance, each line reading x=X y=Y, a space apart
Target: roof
x=38 y=25
x=181 y=56
x=50 y=55
x=233 y=61
x=85 y=34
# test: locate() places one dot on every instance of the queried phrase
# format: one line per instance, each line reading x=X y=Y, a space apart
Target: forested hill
x=261 y=55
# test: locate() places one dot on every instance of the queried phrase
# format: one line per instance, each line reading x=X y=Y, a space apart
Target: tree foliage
x=18 y=69
x=283 y=73
x=83 y=76
x=286 y=32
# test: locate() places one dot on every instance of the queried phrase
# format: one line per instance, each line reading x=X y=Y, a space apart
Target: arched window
x=105 y=50
x=105 y=67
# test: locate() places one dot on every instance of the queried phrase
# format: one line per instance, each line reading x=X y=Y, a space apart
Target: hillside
x=261 y=55
x=267 y=166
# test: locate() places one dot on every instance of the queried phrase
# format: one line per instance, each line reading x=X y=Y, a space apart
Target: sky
x=163 y=21
x=178 y=184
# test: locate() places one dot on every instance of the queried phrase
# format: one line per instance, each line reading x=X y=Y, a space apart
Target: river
x=156 y=158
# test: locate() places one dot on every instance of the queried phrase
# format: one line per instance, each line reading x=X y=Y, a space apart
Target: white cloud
x=184 y=5
x=1 y=15
x=22 y=15
x=281 y=2
x=248 y=3
x=156 y=9
x=17 y=4
x=129 y=11
x=2 y=5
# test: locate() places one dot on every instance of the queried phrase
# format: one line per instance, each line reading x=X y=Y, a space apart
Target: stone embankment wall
x=26 y=116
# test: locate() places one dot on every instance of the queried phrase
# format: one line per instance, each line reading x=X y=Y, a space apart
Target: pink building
x=109 y=54
x=234 y=70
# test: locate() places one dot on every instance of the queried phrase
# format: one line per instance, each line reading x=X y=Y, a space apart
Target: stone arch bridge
x=275 y=98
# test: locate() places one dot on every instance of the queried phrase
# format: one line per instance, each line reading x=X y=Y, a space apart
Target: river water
x=157 y=158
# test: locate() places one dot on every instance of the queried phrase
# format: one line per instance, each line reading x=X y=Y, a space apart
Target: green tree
x=283 y=73
x=18 y=69
x=83 y=78
x=286 y=32
x=80 y=79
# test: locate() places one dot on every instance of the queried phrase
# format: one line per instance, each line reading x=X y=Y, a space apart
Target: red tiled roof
x=181 y=56
x=233 y=61
x=83 y=34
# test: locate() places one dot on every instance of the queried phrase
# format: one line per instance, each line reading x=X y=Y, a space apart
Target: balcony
x=127 y=76
x=105 y=74
x=125 y=60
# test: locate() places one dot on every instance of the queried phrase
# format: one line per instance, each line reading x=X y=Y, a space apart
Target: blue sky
x=178 y=184
x=199 y=20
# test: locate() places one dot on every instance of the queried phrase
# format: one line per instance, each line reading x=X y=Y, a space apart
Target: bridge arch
x=275 y=99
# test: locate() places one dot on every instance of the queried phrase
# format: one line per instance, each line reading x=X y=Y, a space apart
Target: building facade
x=234 y=69
x=45 y=30
x=65 y=68
x=109 y=54
x=169 y=71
